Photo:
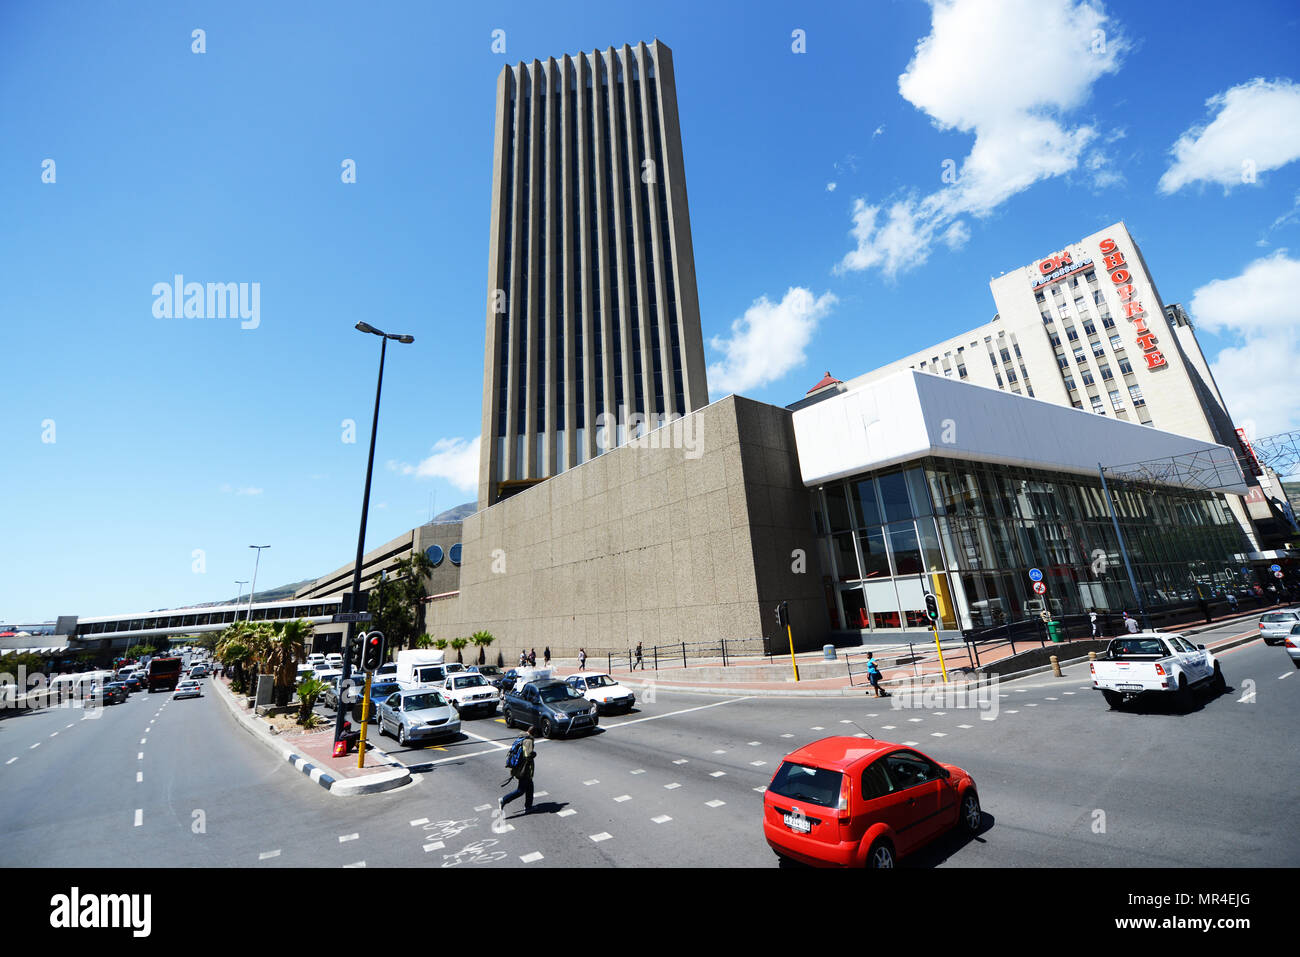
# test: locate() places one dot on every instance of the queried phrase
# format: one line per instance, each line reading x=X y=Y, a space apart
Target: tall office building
x=593 y=320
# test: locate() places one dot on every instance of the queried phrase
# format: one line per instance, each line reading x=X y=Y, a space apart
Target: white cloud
x=455 y=460
x=879 y=129
x=767 y=341
x=228 y=489
x=981 y=71
x=830 y=187
x=1257 y=129
x=1101 y=170
x=1260 y=308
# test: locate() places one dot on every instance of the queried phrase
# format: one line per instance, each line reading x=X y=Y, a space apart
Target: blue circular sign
x=1275 y=568
x=454 y=554
x=1035 y=575
x=435 y=554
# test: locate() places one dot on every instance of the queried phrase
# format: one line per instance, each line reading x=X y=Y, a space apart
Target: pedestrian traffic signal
x=932 y=607
x=374 y=650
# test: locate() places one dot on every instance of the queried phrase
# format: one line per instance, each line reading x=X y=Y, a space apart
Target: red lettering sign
x=1054 y=262
x=1126 y=292
x=1140 y=326
x=1132 y=309
x=1107 y=246
x=1114 y=260
x=1147 y=341
x=1120 y=276
x=1154 y=359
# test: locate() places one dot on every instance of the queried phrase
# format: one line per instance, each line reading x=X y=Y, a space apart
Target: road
x=1064 y=782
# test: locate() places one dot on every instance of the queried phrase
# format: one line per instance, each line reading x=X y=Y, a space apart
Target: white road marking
x=139 y=816
x=1051 y=699
x=623 y=797
x=873 y=716
x=714 y=803
x=566 y=812
x=419 y=820
x=717 y=774
x=1031 y=704
x=69 y=726
x=56 y=734
x=670 y=714
x=143 y=740
x=1021 y=690
x=1287 y=675
x=915 y=720
x=267 y=855
x=478 y=737
x=36 y=745
x=348 y=837
x=542 y=794
x=681 y=761
x=139 y=777
x=434 y=846
x=531 y=858
x=720 y=751
x=140 y=756
x=1067 y=692
x=760 y=790
x=670 y=787
x=941 y=713
x=483 y=807
x=754 y=744
x=845 y=721
x=817 y=728
x=1012 y=712
x=887 y=727
x=966 y=726
x=661 y=819
x=642 y=770
x=937 y=734
x=757 y=764
x=591 y=782
x=1004 y=696
x=357 y=864
x=11 y=761
x=911 y=744
x=791 y=735
x=602 y=836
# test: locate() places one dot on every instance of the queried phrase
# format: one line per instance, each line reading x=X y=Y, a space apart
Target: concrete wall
x=652 y=544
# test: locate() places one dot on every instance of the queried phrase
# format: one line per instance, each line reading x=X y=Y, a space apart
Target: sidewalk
x=742 y=677
x=312 y=752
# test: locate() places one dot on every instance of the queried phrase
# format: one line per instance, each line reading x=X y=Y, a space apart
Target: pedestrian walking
x=1232 y=603
x=523 y=658
x=546 y=656
x=1205 y=610
x=532 y=658
x=523 y=773
x=639 y=660
x=1130 y=624
x=873 y=675
x=582 y=659
x=1092 y=620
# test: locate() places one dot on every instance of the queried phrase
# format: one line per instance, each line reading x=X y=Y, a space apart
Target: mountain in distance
x=457 y=514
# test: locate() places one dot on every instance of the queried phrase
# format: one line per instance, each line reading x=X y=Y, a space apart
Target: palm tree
x=440 y=644
x=458 y=644
x=424 y=641
x=482 y=639
x=285 y=649
x=309 y=689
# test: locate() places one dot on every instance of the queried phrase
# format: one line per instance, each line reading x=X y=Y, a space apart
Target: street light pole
x=254 y=588
x=241 y=585
x=365 y=509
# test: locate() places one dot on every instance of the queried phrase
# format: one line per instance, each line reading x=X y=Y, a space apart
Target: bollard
x=724 y=652
x=1092 y=656
x=683 y=654
x=1056 y=667
x=828 y=652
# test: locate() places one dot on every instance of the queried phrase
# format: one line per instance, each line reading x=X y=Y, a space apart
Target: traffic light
x=374 y=650
x=354 y=651
x=932 y=607
x=783 y=614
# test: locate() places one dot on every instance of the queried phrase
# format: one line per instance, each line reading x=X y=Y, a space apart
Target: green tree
x=395 y=600
x=309 y=689
x=440 y=644
x=286 y=647
x=139 y=651
x=459 y=644
x=481 y=640
x=424 y=641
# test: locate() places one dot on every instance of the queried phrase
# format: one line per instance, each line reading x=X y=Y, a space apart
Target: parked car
x=335 y=659
x=602 y=691
x=386 y=672
x=315 y=658
x=417 y=715
x=549 y=705
x=470 y=693
x=188 y=689
x=379 y=691
x=1292 y=643
x=858 y=802
x=1275 y=626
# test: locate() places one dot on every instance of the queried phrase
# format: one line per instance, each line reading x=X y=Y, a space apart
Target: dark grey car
x=551 y=706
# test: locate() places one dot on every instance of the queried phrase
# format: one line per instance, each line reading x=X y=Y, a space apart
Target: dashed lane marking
x=434 y=846
x=714 y=803
x=661 y=819
x=36 y=745
x=55 y=734
x=937 y=734
x=11 y=761
x=348 y=837
x=754 y=744
x=483 y=807
x=1031 y=704
x=623 y=797
x=761 y=788
x=717 y=774
x=542 y=794
x=791 y=735
x=1051 y=699
x=602 y=836
x=940 y=713
x=1011 y=712
x=641 y=770
x=1067 y=692
x=591 y=782
x=139 y=816
x=720 y=751
x=267 y=855
x=817 y=727
x=915 y=720
x=680 y=761
x=966 y=726
x=140 y=756
x=566 y=812
x=69 y=726
x=532 y=858
x=671 y=787
x=357 y=864
x=757 y=764
x=143 y=740
x=845 y=721
x=139 y=777
x=419 y=820
x=1287 y=675
x=888 y=727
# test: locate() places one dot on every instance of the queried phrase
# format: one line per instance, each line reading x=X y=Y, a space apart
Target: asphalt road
x=1064 y=782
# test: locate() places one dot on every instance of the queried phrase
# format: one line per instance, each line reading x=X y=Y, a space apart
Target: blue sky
x=132 y=441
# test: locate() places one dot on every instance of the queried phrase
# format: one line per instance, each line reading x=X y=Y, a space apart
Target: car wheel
x=971 y=815
x=881 y=856
x=401 y=735
x=1220 y=684
x=548 y=729
x=1113 y=698
x=1186 y=700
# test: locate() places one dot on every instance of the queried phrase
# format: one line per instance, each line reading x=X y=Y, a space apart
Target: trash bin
x=828 y=652
x=1054 y=630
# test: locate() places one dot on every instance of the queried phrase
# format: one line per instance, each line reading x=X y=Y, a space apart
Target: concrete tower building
x=593 y=321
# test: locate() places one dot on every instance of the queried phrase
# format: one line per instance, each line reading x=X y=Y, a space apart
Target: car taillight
x=1290 y=643
x=1160 y=669
x=1261 y=624
x=844 y=794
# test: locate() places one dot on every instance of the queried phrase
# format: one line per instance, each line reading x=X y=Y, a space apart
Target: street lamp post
x=239 y=597
x=254 y=588
x=365 y=508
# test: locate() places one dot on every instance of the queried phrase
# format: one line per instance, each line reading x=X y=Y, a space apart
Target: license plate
x=800 y=824
x=1129 y=687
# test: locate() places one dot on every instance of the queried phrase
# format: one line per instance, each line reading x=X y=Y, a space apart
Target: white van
x=420 y=666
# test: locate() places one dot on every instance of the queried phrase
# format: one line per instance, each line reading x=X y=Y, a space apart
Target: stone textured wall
x=656 y=545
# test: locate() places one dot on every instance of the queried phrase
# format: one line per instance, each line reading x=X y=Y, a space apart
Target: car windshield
x=601 y=681
x=383 y=690
x=801 y=782
x=1280 y=616
x=1138 y=646
x=557 y=692
x=469 y=681
x=422 y=701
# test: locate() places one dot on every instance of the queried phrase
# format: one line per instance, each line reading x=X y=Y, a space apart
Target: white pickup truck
x=1154 y=662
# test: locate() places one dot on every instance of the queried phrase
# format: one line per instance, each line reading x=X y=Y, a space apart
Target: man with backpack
x=520 y=763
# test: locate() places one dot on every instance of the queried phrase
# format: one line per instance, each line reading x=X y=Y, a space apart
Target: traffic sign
x=1039 y=588
x=1045 y=615
x=1035 y=575
x=1277 y=574
x=351 y=616
x=1275 y=568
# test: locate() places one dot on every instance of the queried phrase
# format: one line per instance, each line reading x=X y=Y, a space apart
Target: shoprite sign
x=1115 y=264
x=1057 y=267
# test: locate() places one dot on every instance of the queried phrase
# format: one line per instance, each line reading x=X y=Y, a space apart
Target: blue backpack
x=515 y=759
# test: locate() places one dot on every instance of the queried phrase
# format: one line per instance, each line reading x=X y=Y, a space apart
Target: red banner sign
x=1115 y=264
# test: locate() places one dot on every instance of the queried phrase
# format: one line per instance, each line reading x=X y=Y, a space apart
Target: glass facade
x=969 y=532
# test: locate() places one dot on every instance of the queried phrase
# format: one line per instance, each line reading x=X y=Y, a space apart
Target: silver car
x=1275 y=626
x=1292 y=642
x=417 y=715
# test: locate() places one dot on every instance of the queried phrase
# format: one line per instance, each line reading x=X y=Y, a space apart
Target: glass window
x=875 y=563
x=846 y=559
x=893 y=494
x=911 y=599
x=1135 y=394
x=855 y=608
x=875 y=780
x=931 y=556
x=866 y=505
x=917 y=492
x=800 y=782
x=882 y=604
x=1116 y=342
x=837 y=508
x=905 y=548
x=1125 y=367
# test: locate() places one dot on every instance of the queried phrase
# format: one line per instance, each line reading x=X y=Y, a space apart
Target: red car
x=860 y=802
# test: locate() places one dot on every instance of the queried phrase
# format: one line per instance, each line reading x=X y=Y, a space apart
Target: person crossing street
x=523 y=773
